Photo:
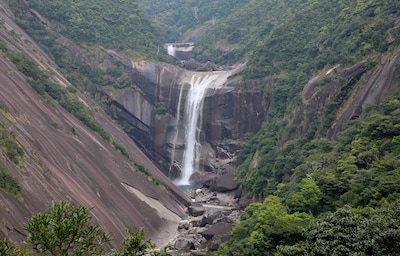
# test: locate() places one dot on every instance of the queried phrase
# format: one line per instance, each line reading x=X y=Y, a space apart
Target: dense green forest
x=366 y=151
x=119 y=25
x=360 y=169
x=281 y=37
x=180 y=17
x=325 y=33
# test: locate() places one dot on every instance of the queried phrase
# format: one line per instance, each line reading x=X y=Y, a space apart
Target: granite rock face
x=65 y=160
x=149 y=111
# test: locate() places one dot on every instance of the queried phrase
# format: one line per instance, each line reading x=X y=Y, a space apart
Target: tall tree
x=308 y=196
x=65 y=229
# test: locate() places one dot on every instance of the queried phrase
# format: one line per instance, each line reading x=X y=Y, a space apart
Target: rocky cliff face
x=144 y=101
x=338 y=95
x=149 y=112
x=59 y=164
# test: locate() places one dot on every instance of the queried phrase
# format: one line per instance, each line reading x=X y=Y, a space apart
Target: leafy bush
x=160 y=111
x=13 y=151
x=68 y=229
x=9 y=183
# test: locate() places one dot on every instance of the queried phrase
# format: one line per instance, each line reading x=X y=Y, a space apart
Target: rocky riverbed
x=209 y=219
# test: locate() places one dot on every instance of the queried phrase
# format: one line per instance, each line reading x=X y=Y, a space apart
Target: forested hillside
x=359 y=168
x=313 y=183
x=311 y=173
x=119 y=25
x=303 y=175
x=178 y=18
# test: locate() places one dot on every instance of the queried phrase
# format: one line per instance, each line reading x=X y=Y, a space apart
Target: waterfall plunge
x=193 y=121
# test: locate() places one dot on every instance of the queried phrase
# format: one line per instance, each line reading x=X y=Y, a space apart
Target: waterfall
x=176 y=129
x=171 y=50
x=193 y=122
x=192 y=119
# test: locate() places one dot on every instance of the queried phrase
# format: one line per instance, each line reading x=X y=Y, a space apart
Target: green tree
x=345 y=233
x=385 y=227
x=308 y=196
x=65 y=229
x=340 y=233
x=135 y=244
x=263 y=227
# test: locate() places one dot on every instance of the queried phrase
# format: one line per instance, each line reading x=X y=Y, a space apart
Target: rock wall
x=65 y=160
x=336 y=96
x=149 y=112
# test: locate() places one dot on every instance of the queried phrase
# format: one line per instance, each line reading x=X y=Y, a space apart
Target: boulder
x=225 y=183
x=197 y=221
x=188 y=242
x=196 y=211
x=184 y=224
x=197 y=230
x=219 y=229
x=184 y=243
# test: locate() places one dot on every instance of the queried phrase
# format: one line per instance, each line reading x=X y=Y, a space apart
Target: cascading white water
x=171 y=50
x=176 y=129
x=193 y=119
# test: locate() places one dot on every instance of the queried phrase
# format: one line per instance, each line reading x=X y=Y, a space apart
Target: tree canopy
x=346 y=233
x=67 y=229
x=262 y=227
x=119 y=25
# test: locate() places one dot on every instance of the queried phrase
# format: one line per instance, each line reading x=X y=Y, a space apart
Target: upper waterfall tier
x=179 y=50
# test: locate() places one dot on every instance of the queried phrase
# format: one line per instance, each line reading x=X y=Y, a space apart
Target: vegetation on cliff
x=9 y=184
x=360 y=168
x=119 y=25
x=180 y=17
x=42 y=83
x=290 y=42
x=77 y=36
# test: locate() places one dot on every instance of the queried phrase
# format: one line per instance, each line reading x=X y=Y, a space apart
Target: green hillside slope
x=119 y=25
x=182 y=16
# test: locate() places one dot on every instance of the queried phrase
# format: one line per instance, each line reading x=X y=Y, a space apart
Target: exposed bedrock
x=149 y=113
x=342 y=94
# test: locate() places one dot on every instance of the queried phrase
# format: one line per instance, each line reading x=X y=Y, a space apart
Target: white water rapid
x=199 y=83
